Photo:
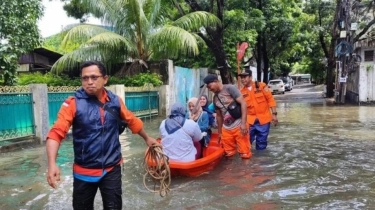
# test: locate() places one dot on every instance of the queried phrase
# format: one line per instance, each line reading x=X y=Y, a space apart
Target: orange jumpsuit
x=232 y=138
x=259 y=101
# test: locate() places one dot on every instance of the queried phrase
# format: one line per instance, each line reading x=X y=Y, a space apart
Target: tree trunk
x=259 y=58
x=214 y=39
x=221 y=62
x=265 y=60
x=329 y=77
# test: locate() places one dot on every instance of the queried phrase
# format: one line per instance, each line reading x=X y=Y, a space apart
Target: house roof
x=47 y=53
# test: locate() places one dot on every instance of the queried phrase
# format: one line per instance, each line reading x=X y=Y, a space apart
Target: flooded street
x=320 y=156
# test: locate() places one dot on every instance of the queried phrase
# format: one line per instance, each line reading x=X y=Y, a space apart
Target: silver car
x=276 y=86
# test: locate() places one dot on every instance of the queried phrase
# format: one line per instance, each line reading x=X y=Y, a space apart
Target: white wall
x=367 y=82
x=255 y=74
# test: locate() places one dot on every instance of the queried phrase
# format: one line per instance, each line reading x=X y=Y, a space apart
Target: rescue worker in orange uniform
x=260 y=101
x=233 y=130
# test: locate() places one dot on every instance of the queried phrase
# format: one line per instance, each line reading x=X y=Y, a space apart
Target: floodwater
x=319 y=157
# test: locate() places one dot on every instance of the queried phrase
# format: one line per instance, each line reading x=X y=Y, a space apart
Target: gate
x=16 y=113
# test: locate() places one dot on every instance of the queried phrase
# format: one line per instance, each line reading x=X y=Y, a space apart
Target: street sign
x=343 y=79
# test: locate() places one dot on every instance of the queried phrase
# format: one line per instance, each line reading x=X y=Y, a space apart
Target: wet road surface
x=319 y=157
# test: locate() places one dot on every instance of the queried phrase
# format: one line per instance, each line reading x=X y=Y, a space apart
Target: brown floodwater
x=319 y=157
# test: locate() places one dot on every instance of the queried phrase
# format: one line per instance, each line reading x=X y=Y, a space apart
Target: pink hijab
x=195 y=116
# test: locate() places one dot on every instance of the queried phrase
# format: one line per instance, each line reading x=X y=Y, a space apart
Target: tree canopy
x=18 y=34
x=138 y=31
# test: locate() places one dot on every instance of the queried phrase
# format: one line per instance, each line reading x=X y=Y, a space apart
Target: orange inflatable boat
x=211 y=158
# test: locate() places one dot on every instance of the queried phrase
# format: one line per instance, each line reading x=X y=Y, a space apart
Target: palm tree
x=139 y=31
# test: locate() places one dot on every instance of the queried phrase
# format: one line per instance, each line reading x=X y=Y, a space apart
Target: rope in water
x=156 y=165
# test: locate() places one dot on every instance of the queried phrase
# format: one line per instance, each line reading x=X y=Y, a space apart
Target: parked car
x=276 y=86
x=288 y=83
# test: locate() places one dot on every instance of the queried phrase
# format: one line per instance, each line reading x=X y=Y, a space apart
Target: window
x=369 y=55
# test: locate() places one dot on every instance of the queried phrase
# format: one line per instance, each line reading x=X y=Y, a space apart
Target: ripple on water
x=319 y=157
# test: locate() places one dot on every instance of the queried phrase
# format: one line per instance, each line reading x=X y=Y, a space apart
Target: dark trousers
x=110 y=189
x=259 y=133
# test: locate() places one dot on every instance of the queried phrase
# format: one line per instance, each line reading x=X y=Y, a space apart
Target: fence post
x=40 y=107
x=119 y=90
x=164 y=100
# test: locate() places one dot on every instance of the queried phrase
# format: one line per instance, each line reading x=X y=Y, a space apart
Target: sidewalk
x=18 y=144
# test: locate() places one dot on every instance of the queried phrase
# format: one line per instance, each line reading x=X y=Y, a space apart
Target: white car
x=276 y=86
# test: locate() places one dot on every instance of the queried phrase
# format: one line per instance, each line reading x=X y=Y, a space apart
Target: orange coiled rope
x=156 y=165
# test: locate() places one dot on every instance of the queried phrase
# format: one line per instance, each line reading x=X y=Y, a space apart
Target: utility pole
x=344 y=50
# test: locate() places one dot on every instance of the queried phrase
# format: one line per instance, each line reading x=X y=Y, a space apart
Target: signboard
x=343 y=79
x=353 y=26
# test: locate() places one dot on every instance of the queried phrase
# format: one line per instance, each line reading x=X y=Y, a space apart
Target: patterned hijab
x=177 y=118
x=199 y=109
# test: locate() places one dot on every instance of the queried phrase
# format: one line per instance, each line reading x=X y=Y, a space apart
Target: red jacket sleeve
x=134 y=123
x=64 y=120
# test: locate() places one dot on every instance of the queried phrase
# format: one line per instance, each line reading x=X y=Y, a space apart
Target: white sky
x=55 y=18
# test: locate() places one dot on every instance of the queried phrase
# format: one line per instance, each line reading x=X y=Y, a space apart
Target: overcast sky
x=55 y=18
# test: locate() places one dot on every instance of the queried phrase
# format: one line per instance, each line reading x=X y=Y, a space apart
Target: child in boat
x=178 y=134
x=201 y=117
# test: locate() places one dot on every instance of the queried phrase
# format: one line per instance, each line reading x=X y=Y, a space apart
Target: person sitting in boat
x=210 y=109
x=178 y=134
x=201 y=117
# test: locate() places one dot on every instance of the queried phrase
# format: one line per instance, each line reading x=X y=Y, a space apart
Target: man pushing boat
x=230 y=108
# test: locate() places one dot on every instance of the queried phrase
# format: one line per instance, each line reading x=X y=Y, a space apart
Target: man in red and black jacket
x=97 y=150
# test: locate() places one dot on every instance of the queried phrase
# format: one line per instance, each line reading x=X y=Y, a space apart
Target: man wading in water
x=233 y=130
x=97 y=150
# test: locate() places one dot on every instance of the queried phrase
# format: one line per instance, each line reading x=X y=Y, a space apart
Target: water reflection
x=319 y=157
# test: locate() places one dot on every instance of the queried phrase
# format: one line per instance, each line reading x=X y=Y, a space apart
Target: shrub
x=55 y=80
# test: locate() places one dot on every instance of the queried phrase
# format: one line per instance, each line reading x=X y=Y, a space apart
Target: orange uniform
x=259 y=101
x=65 y=119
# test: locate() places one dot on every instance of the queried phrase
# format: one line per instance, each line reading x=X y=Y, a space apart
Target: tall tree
x=18 y=34
x=213 y=37
x=281 y=22
x=76 y=9
x=327 y=17
x=138 y=31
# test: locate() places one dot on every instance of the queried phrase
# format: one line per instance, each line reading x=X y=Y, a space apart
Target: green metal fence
x=55 y=100
x=16 y=115
x=143 y=103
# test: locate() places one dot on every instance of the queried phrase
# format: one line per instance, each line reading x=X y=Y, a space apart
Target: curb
x=19 y=145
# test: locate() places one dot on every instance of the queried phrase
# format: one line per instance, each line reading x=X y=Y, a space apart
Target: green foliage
x=54 y=43
x=18 y=34
x=139 y=31
x=236 y=31
x=53 y=80
x=137 y=80
x=49 y=79
x=75 y=9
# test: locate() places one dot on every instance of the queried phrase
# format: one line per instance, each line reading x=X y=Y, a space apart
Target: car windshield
x=274 y=82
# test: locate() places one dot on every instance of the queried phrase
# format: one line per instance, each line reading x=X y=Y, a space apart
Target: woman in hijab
x=178 y=134
x=209 y=109
x=200 y=117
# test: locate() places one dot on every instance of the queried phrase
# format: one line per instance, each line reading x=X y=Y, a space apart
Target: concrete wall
x=352 y=87
x=183 y=84
x=366 y=82
x=361 y=83
x=40 y=107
